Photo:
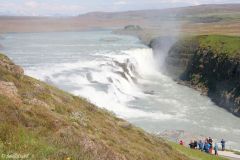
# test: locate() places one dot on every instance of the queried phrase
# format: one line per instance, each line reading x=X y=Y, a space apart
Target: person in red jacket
x=181 y=142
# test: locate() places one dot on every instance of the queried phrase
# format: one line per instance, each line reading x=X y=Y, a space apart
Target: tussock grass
x=17 y=141
x=228 y=45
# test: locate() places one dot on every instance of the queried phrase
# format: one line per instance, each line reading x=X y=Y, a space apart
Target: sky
x=76 y=7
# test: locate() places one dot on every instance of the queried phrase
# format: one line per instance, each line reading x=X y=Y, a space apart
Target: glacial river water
x=120 y=74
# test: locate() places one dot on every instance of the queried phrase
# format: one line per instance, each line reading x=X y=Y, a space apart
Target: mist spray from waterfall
x=168 y=32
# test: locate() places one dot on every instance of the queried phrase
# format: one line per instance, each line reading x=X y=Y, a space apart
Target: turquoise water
x=120 y=74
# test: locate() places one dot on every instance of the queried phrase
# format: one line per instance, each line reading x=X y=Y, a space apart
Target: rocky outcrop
x=132 y=27
x=6 y=63
x=218 y=76
x=215 y=74
x=10 y=90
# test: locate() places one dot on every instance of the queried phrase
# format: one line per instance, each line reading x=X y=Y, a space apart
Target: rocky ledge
x=210 y=64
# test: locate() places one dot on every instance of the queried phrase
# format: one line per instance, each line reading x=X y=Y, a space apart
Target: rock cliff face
x=213 y=70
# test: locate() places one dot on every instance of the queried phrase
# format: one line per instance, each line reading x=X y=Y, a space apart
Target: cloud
x=193 y=2
x=172 y=2
x=31 y=4
x=35 y=8
x=75 y=7
x=122 y=2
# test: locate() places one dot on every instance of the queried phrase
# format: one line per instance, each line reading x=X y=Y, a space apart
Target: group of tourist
x=206 y=146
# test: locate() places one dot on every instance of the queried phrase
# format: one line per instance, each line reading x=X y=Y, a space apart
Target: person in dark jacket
x=223 y=144
x=195 y=144
x=191 y=144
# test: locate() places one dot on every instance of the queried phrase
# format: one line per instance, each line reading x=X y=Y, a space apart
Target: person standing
x=200 y=145
x=195 y=144
x=206 y=147
x=210 y=141
x=216 y=149
x=223 y=144
x=191 y=144
x=181 y=142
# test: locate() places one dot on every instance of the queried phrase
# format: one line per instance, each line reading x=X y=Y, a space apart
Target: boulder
x=124 y=124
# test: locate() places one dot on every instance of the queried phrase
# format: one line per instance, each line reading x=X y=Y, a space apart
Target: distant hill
x=200 y=10
x=194 y=19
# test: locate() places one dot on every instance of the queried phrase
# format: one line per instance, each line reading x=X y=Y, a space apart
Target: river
x=120 y=74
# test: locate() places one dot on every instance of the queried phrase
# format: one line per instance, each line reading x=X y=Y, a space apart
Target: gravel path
x=229 y=155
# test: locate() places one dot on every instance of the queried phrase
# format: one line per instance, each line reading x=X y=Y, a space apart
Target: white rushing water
x=120 y=74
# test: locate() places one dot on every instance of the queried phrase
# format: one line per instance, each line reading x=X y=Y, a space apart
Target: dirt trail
x=229 y=155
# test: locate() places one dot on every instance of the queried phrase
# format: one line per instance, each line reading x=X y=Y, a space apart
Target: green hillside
x=228 y=45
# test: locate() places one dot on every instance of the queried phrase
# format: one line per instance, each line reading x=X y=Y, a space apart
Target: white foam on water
x=144 y=60
x=110 y=102
x=119 y=91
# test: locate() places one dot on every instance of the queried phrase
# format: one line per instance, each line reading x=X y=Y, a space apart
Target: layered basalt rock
x=215 y=74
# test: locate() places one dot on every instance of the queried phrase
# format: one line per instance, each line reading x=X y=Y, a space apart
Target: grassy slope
x=228 y=45
x=58 y=125
x=219 y=44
